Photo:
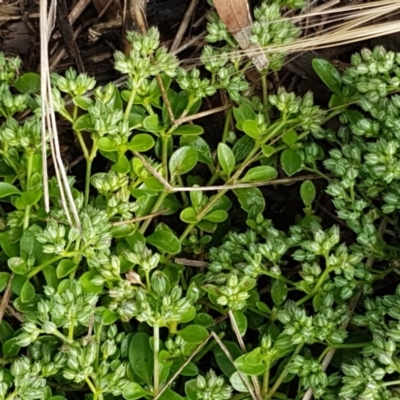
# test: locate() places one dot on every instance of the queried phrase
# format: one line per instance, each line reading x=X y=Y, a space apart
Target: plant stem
x=385 y=384
x=42 y=266
x=155 y=208
x=265 y=384
x=29 y=160
x=83 y=144
x=71 y=332
x=203 y=212
x=349 y=345
x=264 y=88
x=156 y=349
x=89 y=162
x=91 y=386
x=87 y=181
x=321 y=280
x=283 y=374
x=12 y=395
x=164 y=147
x=130 y=102
x=226 y=126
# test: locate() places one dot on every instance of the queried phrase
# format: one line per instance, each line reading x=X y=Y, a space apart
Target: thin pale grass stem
x=242 y=346
x=130 y=221
x=44 y=56
x=230 y=358
x=175 y=375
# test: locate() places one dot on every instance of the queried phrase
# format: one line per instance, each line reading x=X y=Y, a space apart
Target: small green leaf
x=216 y=216
x=241 y=322
x=188 y=130
x=28 y=83
x=169 y=394
x=199 y=144
x=10 y=348
x=248 y=368
x=134 y=391
x=106 y=144
x=238 y=384
x=29 y=245
x=6 y=331
x=242 y=148
x=4 y=277
x=250 y=128
x=17 y=265
x=151 y=124
x=263 y=307
x=30 y=198
x=188 y=215
x=226 y=159
x=337 y=101
x=122 y=166
x=183 y=160
x=82 y=102
x=204 y=319
x=193 y=334
x=65 y=267
x=17 y=283
x=165 y=241
x=279 y=292
x=261 y=173
x=50 y=276
x=243 y=113
x=291 y=161
x=109 y=317
x=250 y=197
x=141 y=357
x=83 y=123
x=328 y=74
x=87 y=285
x=27 y=292
x=6 y=189
x=191 y=389
x=223 y=361
x=11 y=249
x=267 y=150
x=141 y=142
x=290 y=137
x=196 y=197
x=307 y=193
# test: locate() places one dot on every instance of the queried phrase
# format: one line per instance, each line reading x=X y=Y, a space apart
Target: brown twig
x=6 y=297
x=189 y=43
x=191 y=263
x=74 y=14
x=184 y=24
x=131 y=221
x=202 y=114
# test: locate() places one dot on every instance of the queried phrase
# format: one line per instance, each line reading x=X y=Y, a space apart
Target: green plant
x=107 y=312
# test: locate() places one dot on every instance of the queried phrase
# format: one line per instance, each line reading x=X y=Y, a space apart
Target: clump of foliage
x=105 y=310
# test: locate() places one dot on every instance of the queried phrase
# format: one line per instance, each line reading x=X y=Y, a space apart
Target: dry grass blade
x=342 y=25
x=49 y=124
x=242 y=346
x=175 y=375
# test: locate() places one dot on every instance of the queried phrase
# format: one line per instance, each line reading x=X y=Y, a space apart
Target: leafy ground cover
x=154 y=292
